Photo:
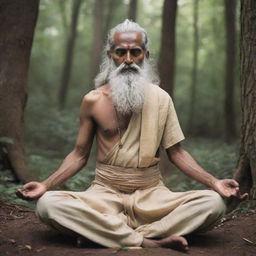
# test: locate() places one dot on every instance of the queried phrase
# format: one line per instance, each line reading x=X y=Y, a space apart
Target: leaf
x=249 y=242
x=28 y=247
x=6 y=140
x=12 y=241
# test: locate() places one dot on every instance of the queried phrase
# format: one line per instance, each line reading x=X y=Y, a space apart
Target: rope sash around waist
x=127 y=179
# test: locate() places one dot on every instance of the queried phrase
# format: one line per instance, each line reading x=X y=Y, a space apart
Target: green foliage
x=8 y=189
x=6 y=140
x=214 y=156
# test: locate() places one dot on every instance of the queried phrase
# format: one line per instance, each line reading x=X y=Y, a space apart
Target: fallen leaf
x=40 y=249
x=27 y=247
x=249 y=241
x=12 y=241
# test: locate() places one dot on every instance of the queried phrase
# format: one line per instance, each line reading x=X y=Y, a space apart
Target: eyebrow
x=122 y=47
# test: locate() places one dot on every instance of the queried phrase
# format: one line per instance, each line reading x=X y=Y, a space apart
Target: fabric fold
x=127 y=179
x=149 y=126
x=156 y=125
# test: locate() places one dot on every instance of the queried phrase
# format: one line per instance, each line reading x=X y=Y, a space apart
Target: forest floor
x=23 y=234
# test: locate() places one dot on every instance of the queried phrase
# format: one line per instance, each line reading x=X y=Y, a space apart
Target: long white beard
x=128 y=87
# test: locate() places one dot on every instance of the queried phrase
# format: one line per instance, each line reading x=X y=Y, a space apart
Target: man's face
x=128 y=49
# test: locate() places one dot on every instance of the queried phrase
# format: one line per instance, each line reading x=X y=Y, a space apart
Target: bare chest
x=109 y=122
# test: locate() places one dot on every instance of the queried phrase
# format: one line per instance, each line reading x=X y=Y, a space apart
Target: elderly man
x=127 y=203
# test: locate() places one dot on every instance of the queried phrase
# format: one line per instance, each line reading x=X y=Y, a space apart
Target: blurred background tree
x=166 y=62
x=230 y=82
x=190 y=40
x=192 y=104
x=69 y=52
x=132 y=15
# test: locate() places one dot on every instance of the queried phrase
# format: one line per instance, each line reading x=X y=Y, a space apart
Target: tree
x=97 y=41
x=246 y=169
x=229 y=111
x=109 y=15
x=62 y=8
x=66 y=71
x=166 y=63
x=17 y=23
x=191 y=118
x=132 y=13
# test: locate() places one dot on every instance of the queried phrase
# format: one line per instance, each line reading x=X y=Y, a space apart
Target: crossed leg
x=97 y=214
x=182 y=213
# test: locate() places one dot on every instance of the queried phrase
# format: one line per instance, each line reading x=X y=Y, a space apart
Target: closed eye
x=136 y=52
x=120 y=52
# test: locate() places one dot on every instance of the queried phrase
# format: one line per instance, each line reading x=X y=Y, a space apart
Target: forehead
x=128 y=39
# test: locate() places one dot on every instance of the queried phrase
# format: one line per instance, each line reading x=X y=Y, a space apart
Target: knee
x=44 y=205
x=216 y=204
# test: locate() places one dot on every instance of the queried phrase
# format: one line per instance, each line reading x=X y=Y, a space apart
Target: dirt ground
x=22 y=233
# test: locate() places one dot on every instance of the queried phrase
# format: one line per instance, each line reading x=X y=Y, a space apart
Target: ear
x=109 y=53
x=147 y=54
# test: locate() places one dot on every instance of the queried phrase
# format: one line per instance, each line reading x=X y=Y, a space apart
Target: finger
x=20 y=194
x=243 y=196
x=28 y=185
x=20 y=191
x=234 y=193
x=234 y=183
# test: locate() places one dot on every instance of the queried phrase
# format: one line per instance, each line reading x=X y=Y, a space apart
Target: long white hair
x=127 y=88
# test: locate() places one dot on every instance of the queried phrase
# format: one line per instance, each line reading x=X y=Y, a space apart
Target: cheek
x=139 y=59
x=117 y=60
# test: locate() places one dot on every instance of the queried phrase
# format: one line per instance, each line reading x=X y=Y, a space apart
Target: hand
x=31 y=191
x=228 y=188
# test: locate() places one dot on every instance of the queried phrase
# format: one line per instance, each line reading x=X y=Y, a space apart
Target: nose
x=128 y=58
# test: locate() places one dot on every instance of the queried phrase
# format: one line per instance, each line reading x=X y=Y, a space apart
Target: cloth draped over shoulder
x=135 y=165
x=157 y=125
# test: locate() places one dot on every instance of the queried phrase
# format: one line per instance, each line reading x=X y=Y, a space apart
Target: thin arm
x=185 y=162
x=77 y=159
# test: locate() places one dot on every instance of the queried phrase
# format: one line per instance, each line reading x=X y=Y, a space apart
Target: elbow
x=175 y=153
x=80 y=154
x=173 y=156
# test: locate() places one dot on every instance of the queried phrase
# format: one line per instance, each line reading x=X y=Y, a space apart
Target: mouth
x=129 y=70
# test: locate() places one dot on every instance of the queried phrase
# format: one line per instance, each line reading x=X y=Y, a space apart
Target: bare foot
x=174 y=242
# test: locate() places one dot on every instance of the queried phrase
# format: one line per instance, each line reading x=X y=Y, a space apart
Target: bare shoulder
x=95 y=95
x=91 y=97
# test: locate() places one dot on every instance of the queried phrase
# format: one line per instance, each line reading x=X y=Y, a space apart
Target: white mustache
x=124 y=67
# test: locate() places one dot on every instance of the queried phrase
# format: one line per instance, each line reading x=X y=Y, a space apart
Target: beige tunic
x=127 y=200
x=156 y=126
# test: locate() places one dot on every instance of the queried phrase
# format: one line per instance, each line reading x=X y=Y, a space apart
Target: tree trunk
x=191 y=118
x=246 y=169
x=229 y=111
x=66 y=71
x=166 y=64
x=17 y=23
x=62 y=9
x=97 y=42
x=109 y=14
x=132 y=14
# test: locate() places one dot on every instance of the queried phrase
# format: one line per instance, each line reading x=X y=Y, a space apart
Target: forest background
x=199 y=87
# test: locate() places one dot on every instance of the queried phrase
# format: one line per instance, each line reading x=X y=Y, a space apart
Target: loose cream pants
x=113 y=219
